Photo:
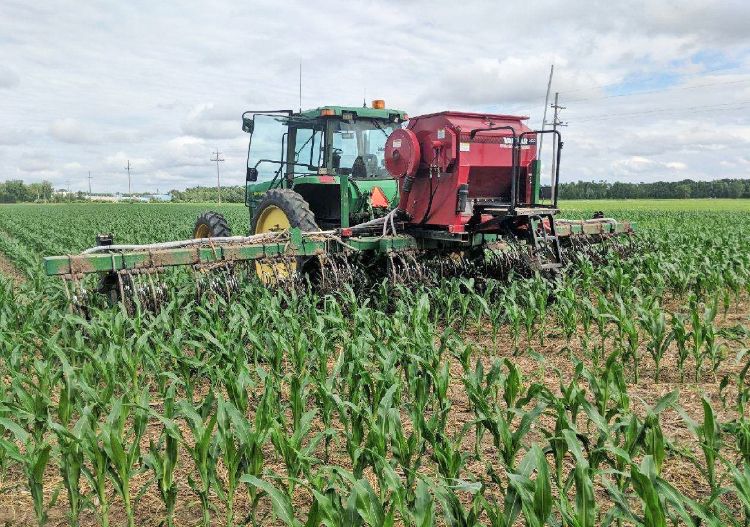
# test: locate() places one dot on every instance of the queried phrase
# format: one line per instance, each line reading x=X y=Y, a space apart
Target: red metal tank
x=463 y=160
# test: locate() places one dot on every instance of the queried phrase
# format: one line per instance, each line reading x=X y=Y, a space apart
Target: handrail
x=556 y=158
x=514 y=160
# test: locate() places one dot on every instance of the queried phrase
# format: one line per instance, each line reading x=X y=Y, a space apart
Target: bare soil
x=9 y=270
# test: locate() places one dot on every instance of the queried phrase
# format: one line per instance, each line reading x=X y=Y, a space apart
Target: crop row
x=470 y=401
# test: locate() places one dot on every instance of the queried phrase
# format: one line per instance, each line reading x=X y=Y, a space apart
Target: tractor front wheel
x=280 y=210
x=211 y=225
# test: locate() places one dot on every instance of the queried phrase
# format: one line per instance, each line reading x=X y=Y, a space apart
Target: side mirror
x=252 y=174
x=248 y=124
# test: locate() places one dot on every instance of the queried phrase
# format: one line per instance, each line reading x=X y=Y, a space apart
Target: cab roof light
x=378 y=104
x=327 y=112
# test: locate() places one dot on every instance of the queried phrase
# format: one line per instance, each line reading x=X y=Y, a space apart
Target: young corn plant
x=708 y=434
x=297 y=453
x=241 y=452
x=566 y=307
x=33 y=457
x=583 y=511
x=632 y=341
x=69 y=447
x=702 y=322
x=281 y=502
x=97 y=469
x=660 y=337
x=681 y=337
x=201 y=423
x=70 y=452
x=161 y=457
x=535 y=495
x=122 y=434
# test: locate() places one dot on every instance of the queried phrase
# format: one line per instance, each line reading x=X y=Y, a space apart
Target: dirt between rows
x=16 y=505
x=9 y=270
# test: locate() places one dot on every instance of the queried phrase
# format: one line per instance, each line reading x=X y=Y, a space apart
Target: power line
x=218 y=159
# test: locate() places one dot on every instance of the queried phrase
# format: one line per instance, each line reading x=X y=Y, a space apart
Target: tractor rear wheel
x=211 y=225
x=279 y=210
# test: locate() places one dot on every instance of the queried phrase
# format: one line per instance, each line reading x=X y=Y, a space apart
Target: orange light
x=327 y=112
x=378 y=104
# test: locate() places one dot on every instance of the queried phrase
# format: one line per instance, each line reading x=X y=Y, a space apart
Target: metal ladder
x=546 y=245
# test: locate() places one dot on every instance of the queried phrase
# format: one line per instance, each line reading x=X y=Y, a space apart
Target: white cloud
x=647 y=169
x=8 y=77
x=33 y=163
x=13 y=136
x=165 y=87
x=211 y=122
x=71 y=131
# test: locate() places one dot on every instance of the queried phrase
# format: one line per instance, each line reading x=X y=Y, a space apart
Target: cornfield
x=615 y=395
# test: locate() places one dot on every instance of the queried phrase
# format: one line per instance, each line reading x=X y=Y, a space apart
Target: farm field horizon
x=614 y=394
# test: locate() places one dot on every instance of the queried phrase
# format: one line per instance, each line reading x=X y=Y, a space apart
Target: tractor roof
x=359 y=111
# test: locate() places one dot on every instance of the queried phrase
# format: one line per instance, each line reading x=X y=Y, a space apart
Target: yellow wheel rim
x=202 y=231
x=273 y=219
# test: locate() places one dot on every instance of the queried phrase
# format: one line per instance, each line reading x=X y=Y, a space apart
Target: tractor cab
x=333 y=157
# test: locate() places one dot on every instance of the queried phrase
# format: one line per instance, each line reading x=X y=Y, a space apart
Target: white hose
x=593 y=220
x=368 y=224
x=270 y=236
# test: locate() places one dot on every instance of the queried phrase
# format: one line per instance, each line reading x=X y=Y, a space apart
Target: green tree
x=16 y=191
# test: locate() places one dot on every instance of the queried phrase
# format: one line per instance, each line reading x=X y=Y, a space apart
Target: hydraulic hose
x=266 y=236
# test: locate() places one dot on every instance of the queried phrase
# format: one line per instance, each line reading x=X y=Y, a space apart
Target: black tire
x=297 y=212
x=294 y=206
x=211 y=225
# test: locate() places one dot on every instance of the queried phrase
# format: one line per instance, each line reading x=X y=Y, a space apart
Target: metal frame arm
x=556 y=158
x=514 y=160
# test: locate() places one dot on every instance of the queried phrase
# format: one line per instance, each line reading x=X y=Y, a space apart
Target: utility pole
x=555 y=123
x=300 y=86
x=128 y=169
x=218 y=159
x=89 y=184
x=544 y=116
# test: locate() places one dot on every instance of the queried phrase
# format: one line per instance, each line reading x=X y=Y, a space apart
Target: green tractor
x=314 y=170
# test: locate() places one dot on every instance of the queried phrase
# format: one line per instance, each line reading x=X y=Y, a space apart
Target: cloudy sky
x=653 y=90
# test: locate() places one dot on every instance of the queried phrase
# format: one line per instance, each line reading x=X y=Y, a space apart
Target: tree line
x=16 y=191
x=234 y=194
x=687 y=188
